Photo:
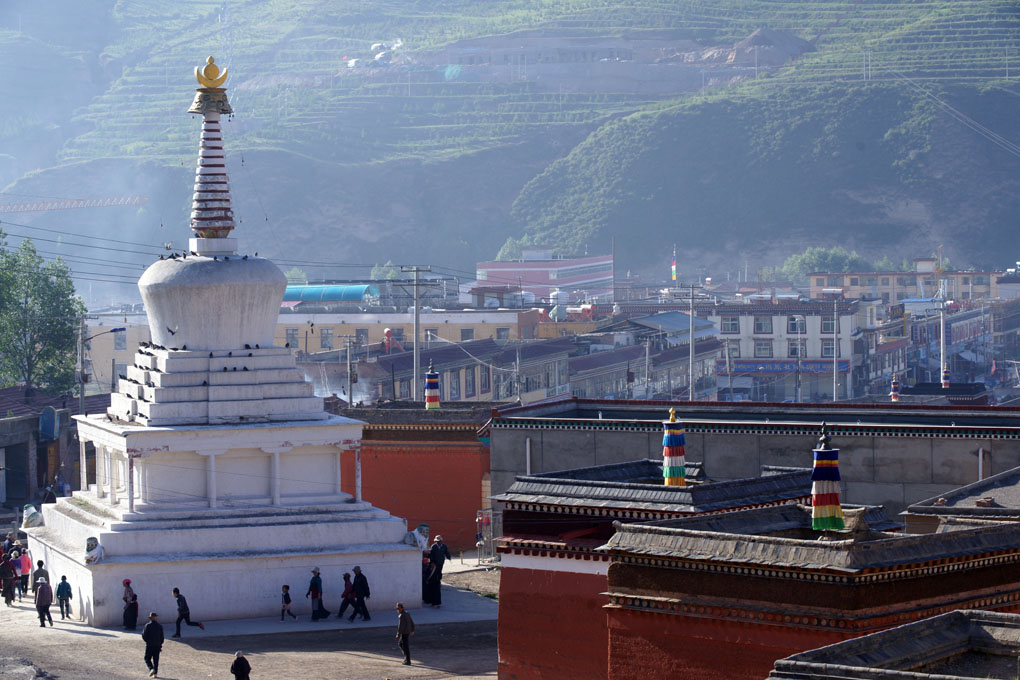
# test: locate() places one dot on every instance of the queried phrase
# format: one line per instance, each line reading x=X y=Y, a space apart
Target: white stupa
x=217 y=469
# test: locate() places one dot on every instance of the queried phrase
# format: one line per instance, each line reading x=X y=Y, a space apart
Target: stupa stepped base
x=230 y=562
x=168 y=387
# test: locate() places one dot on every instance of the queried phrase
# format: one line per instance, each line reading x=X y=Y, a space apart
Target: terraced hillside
x=367 y=159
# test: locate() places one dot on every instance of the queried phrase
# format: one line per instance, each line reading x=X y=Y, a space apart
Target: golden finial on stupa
x=672 y=415
x=209 y=76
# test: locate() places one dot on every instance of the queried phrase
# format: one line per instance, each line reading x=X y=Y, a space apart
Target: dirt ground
x=484 y=583
x=73 y=652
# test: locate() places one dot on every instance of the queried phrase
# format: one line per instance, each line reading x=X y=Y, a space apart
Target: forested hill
x=734 y=128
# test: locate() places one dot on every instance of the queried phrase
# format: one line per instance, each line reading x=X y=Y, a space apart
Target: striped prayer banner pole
x=431 y=388
x=674 y=462
x=894 y=389
x=826 y=510
x=945 y=376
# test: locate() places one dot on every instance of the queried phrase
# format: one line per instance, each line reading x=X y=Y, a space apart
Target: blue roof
x=329 y=293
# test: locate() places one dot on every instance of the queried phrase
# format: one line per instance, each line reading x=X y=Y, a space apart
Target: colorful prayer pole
x=945 y=376
x=674 y=462
x=431 y=389
x=894 y=389
x=674 y=263
x=826 y=510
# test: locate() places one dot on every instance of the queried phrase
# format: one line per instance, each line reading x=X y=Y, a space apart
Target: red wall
x=660 y=647
x=551 y=625
x=436 y=483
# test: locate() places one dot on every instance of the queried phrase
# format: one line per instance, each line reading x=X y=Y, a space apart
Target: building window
x=795 y=325
x=503 y=333
x=405 y=389
x=469 y=382
x=819 y=282
x=827 y=324
x=454 y=382
x=965 y=280
x=835 y=280
x=119 y=340
x=795 y=349
x=734 y=346
x=361 y=336
x=763 y=324
x=763 y=349
x=326 y=338
x=431 y=335
x=119 y=369
x=292 y=337
x=885 y=280
x=467 y=334
x=854 y=281
x=827 y=346
x=483 y=375
x=981 y=280
x=398 y=334
x=729 y=324
x=885 y=298
x=901 y=296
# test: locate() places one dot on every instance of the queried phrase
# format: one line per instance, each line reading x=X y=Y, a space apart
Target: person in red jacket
x=347 y=597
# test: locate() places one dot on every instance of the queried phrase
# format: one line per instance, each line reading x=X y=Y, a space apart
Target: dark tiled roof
x=657 y=497
x=1003 y=489
x=630 y=471
x=744 y=537
x=445 y=354
x=930 y=648
x=409 y=412
x=608 y=358
x=14 y=402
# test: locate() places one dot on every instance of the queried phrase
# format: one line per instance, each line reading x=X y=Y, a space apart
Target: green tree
x=385 y=271
x=296 y=276
x=887 y=265
x=39 y=318
x=836 y=259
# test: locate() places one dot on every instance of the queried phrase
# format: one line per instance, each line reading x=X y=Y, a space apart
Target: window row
x=795 y=324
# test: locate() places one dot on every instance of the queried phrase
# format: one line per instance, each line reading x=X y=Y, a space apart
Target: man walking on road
x=361 y=593
x=152 y=634
x=315 y=592
x=183 y=614
x=38 y=574
x=43 y=600
x=405 y=629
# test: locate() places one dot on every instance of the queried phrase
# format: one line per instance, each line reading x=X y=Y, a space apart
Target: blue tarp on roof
x=329 y=293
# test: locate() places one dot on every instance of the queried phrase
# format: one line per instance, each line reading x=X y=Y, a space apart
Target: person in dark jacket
x=438 y=555
x=64 y=597
x=240 y=668
x=43 y=600
x=405 y=629
x=361 y=593
x=153 y=636
x=7 y=576
x=184 y=614
x=285 y=604
x=39 y=573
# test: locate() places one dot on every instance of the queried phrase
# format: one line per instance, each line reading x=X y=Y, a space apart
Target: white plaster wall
x=175 y=477
x=308 y=470
x=245 y=473
x=230 y=588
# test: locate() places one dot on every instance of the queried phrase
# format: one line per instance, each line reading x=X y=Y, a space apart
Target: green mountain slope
x=424 y=161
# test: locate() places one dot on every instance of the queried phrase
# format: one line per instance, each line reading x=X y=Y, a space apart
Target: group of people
x=15 y=571
x=354 y=595
x=131 y=609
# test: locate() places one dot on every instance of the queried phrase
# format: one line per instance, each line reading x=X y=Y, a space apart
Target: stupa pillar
x=114 y=476
x=336 y=466
x=274 y=475
x=83 y=470
x=100 y=470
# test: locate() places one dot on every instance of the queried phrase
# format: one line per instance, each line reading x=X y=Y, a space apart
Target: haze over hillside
x=738 y=130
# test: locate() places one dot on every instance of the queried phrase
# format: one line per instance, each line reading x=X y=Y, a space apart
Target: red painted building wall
x=551 y=627
x=439 y=483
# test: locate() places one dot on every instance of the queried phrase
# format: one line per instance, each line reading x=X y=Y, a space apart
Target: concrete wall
x=892 y=471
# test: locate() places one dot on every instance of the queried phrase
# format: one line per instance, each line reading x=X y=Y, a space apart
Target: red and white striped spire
x=212 y=218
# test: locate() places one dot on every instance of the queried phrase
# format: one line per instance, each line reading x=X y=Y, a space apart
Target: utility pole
x=418 y=284
x=648 y=358
x=835 y=347
x=690 y=338
x=729 y=368
x=81 y=368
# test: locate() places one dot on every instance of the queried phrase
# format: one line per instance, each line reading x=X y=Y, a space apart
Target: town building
x=582 y=278
x=725 y=596
x=639 y=371
x=893 y=287
x=554 y=525
x=959 y=644
x=786 y=351
x=213 y=441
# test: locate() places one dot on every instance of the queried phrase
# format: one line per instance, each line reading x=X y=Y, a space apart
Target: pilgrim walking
x=405 y=629
x=43 y=600
x=184 y=614
x=152 y=634
x=361 y=593
x=130 y=606
x=438 y=555
x=315 y=592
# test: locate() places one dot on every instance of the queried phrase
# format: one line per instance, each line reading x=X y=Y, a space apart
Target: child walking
x=286 y=605
x=64 y=598
x=347 y=597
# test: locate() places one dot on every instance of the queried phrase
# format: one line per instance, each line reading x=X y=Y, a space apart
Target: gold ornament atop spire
x=209 y=76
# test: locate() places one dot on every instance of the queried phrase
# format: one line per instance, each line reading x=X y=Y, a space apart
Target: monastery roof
x=604 y=487
x=762 y=536
x=960 y=644
x=993 y=497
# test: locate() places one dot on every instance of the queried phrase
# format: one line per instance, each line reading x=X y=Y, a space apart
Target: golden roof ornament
x=209 y=76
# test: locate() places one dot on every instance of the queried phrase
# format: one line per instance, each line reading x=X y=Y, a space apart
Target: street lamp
x=81 y=363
